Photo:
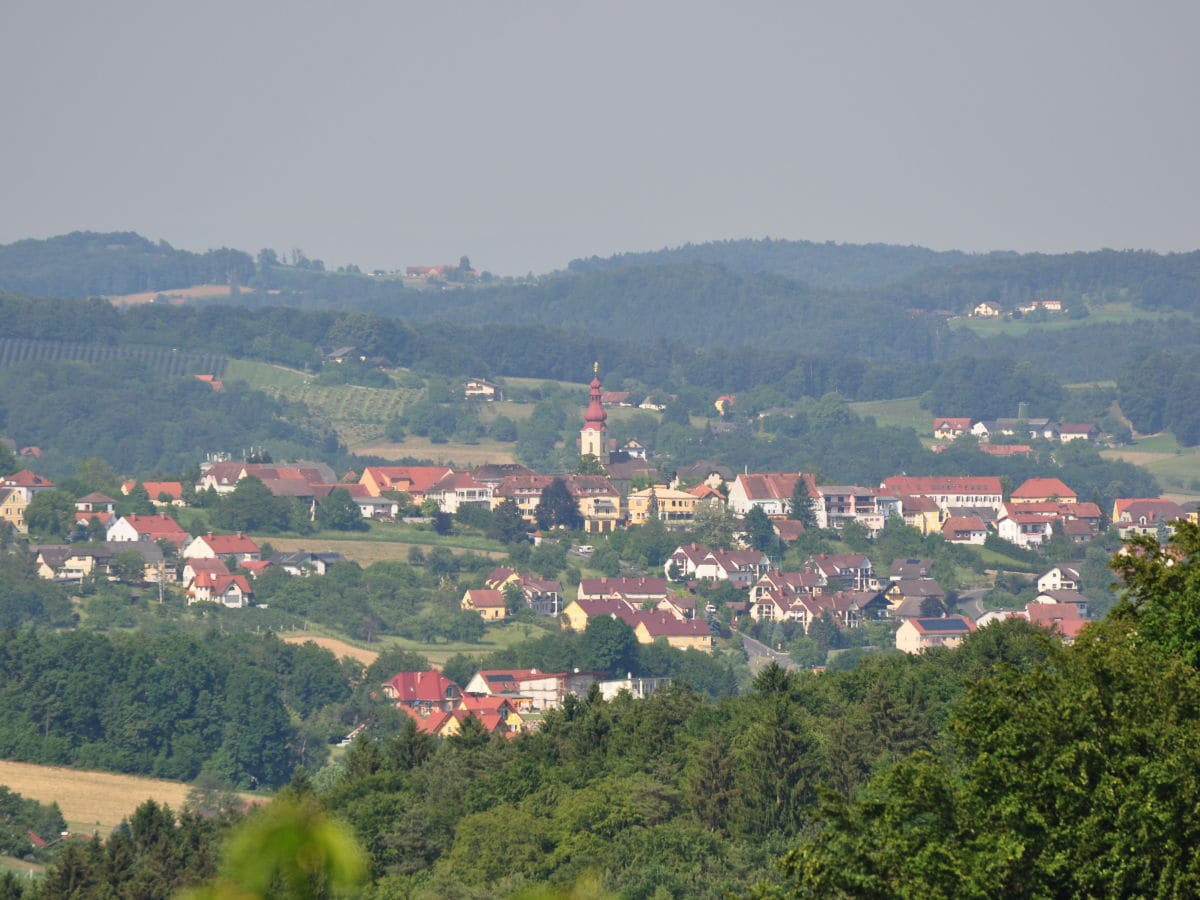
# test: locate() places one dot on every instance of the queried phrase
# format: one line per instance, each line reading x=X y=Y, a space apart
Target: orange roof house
x=1042 y=490
x=488 y=602
x=414 y=480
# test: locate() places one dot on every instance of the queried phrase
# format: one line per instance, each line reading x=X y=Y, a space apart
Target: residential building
x=964 y=530
x=772 y=493
x=922 y=633
x=1059 y=578
x=149 y=528
x=237 y=547
x=488 y=602
x=676 y=509
x=949 y=428
x=1043 y=490
x=425 y=692
x=982 y=490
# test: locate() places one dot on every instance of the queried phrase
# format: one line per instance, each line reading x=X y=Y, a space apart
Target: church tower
x=592 y=435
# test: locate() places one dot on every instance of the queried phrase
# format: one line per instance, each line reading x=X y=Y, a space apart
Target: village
x=623 y=490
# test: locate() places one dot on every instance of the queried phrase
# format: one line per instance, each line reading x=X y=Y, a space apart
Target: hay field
x=90 y=801
x=188 y=293
x=486 y=451
x=334 y=646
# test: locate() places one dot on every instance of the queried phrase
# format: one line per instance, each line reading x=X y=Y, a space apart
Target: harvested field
x=334 y=646
x=187 y=293
x=422 y=448
x=90 y=801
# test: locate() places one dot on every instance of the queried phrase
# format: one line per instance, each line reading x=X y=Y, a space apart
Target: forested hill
x=88 y=264
x=705 y=305
x=1148 y=280
x=828 y=265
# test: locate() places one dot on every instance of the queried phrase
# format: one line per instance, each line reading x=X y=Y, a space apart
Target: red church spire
x=595 y=416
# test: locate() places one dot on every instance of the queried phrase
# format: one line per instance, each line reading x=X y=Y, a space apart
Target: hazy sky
x=526 y=134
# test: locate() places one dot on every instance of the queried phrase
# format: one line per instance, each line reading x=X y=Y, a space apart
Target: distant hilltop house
x=1050 y=306
x=482 y=389
x=987 y=310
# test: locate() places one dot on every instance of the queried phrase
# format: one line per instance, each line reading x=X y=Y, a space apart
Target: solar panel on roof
x=944 y=624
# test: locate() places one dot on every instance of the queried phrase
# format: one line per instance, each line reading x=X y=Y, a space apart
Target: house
x=165 y=493
x=844 y=571
x=12 y=509
x=854 y=503
x=964 y=530
x=637 y=688
x=787 y=530
x=424 y=692
x=919 y=634
x=1078 y=431
x=599 y=502
x=1133 y=516
x=922 y=513
x=675 y=508
x=448 y=724
x=530 y=689
x=1006 y=449
x=71 y=563
x=1043 y=490
x=902 y=569
x=26 y=483
x=949 y=429
x=148 y=528
x=488 y=602
x=682 y=634
x=739 y=567
x=982 y=490
x=914 y=597
x=458 y=489
x=987 y=310
x=1025 y=529
x=704 y=471
x=193 y=567
x=635 y=590
x=96 y=502
x=581 y=611
x=542 y=595
x=237 y=547
x=1065 y=597
x=306 y=562
x=772 y=493
x=411 y=480
x=1031 y=428
x=1060 y=578
x=231 y=591
x=495 y=682
x=685 y=559
x=482 y=389
x=1063 y=618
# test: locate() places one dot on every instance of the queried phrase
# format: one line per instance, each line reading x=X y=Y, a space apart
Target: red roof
x=408 y=478
x=636 y=587
x=954 y=424
x=155 y=489
x=1043 y=487
x=155 y=527
x=659 y=624
x=26 y=479
x=486 y=598
x=982 y=484
x=420 y=687
x=230 y=544
x=775 y=485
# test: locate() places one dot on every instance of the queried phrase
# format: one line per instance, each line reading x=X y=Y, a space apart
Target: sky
x=524 y=135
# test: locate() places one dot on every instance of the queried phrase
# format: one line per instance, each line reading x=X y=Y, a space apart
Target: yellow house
x=579 y=612
x=682 y=634
x=12 y=509
x=675 y=508
x=488 y=602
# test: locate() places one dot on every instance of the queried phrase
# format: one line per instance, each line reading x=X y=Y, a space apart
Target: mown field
x=90 y=801
x=904 y=412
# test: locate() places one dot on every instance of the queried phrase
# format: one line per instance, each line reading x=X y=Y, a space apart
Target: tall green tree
x=557 y=508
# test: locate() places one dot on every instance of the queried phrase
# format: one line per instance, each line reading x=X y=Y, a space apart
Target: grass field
x=905 y=412
x=449 y=453
x=366 y=551
x=1176 y=468
x=90 y=801
x=1098 y=314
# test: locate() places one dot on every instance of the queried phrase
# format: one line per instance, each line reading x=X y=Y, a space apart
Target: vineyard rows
x=15 y=351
